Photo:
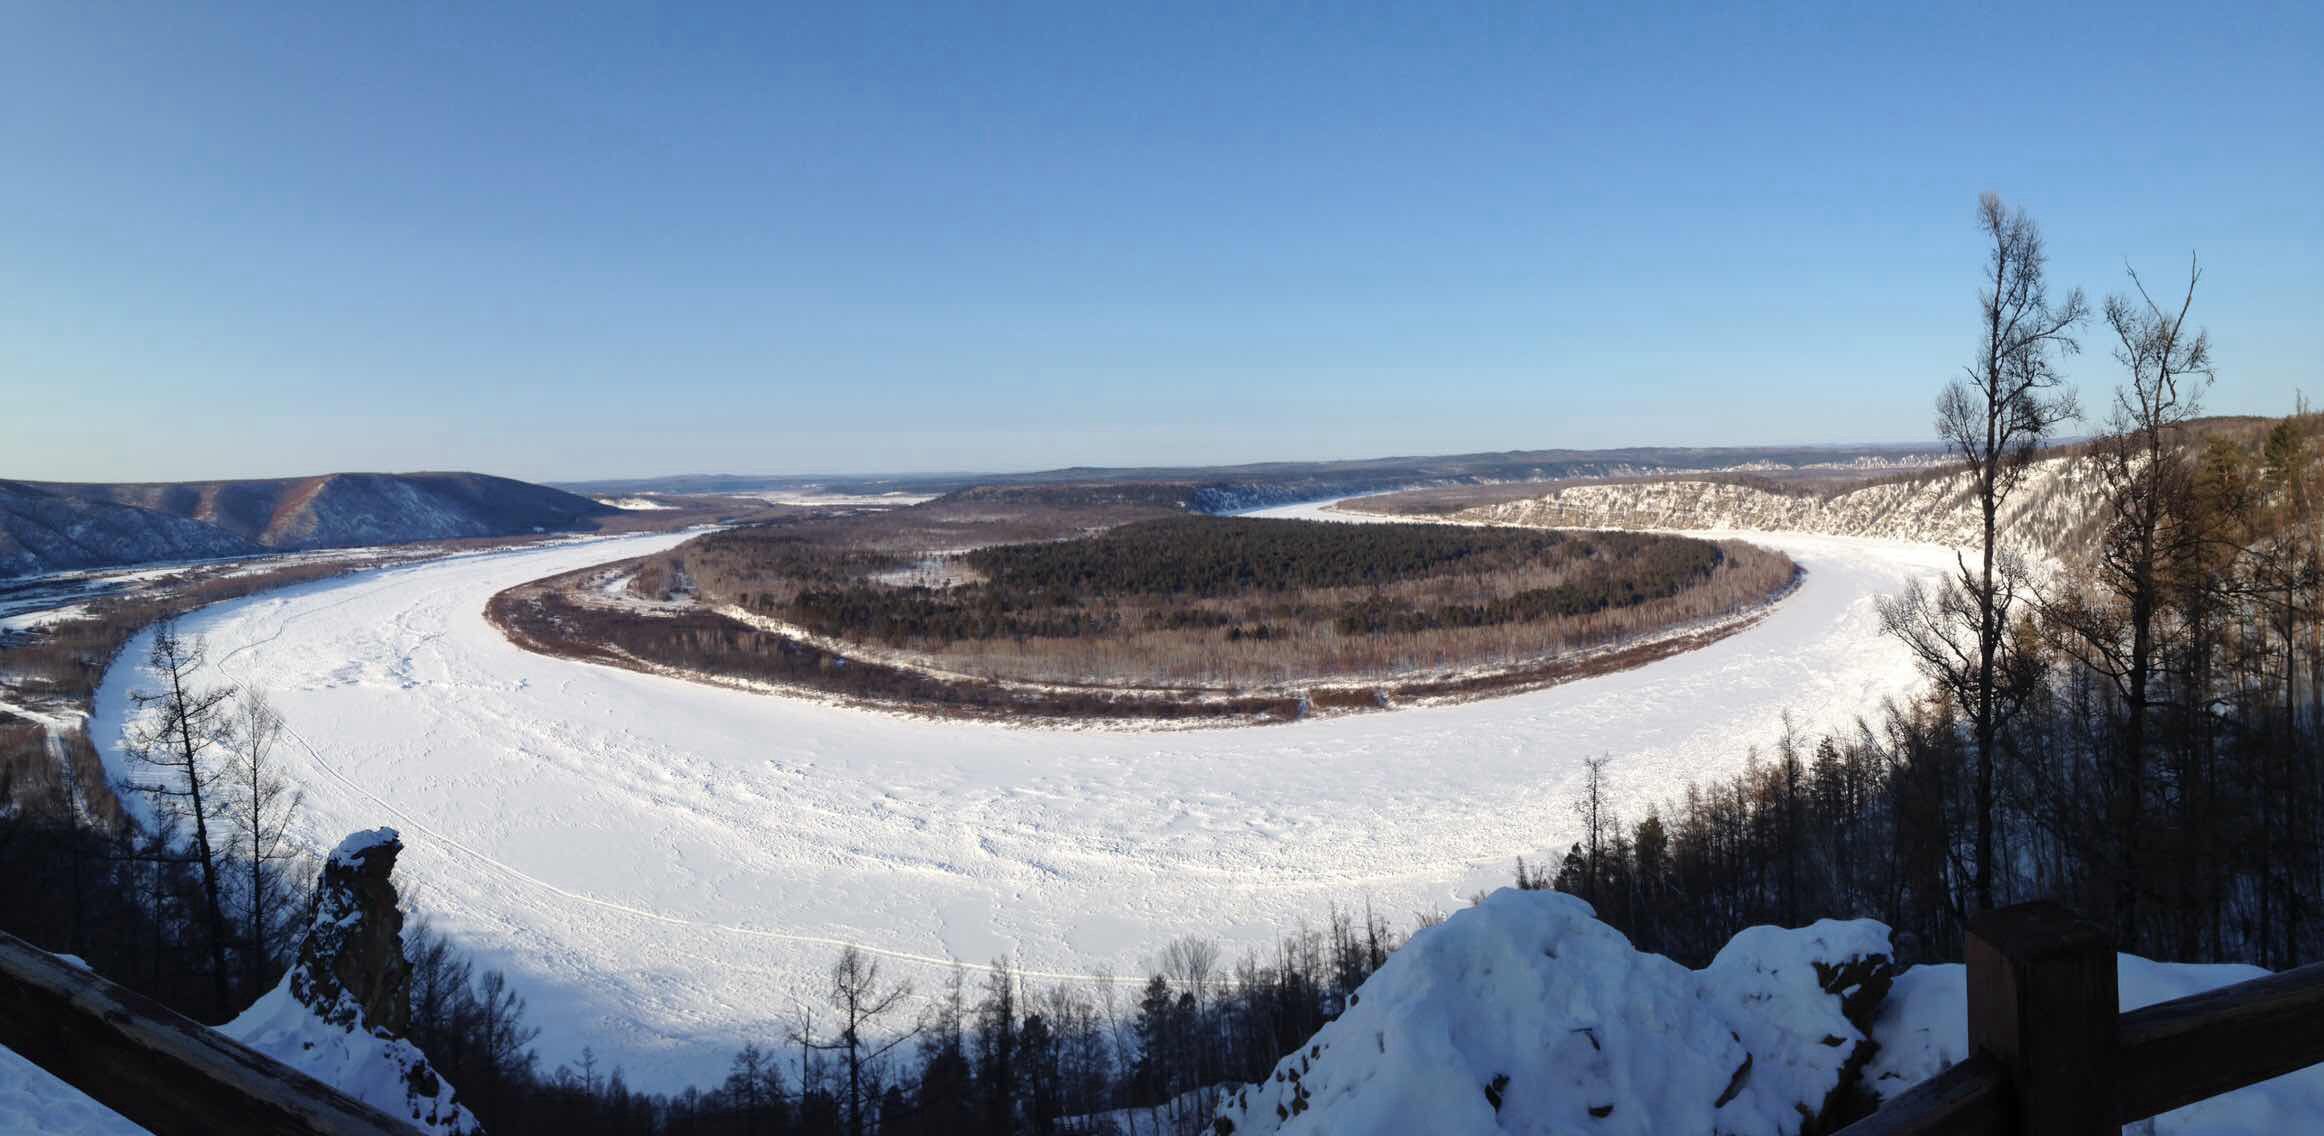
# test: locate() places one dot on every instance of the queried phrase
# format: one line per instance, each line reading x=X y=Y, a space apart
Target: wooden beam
x=1965 y=1100
x=2178 y=1052
x=167 y=1073
x=2042 y=1005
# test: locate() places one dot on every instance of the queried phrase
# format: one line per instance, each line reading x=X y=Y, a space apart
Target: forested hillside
x=48 y=526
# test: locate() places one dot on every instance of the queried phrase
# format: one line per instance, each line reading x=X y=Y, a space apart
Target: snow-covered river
x=665 y=868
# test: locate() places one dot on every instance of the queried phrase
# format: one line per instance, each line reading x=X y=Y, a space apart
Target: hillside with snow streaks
x=2050 y=516
x=51 y=526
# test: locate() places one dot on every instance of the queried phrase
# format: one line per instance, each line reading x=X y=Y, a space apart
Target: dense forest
x=1066 y=589
x=1235 y=605
x=546 y=617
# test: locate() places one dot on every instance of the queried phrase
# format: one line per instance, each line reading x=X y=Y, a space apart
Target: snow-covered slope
x=2051 y=514
x=1524 y=1014
x=339 y=1014
x=31 y=1101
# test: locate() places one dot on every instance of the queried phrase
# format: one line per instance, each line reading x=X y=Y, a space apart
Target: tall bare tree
x=1993 y=419
x=178 y=727
x=264 y=805
x=2112 y=627
x=1597 y=816
x=862 y=999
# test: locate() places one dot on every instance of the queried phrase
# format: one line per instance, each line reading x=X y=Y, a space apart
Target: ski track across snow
x=666 y=869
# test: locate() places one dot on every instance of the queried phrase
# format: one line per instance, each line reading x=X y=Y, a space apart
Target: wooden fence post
x=2043 y=1005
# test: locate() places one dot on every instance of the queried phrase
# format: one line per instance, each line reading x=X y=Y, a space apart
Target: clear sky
x=567 y=241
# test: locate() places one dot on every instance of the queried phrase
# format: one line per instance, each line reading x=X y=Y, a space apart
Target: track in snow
x=665 y=868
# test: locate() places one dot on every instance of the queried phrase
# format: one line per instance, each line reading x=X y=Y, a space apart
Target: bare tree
x=1190 y=963
x=862 y=999
x=264 y=805
x=1109 y=1004
x=1993 y=419
x=2149 y=533
x=1597 y=817
x=178 y=726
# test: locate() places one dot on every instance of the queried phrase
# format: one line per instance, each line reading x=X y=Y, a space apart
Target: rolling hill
x=52 y=526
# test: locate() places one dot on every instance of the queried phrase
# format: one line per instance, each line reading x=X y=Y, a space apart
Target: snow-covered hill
x=41 y=531
x=2051 y=515
x=1524 y=1014
x=52 y=526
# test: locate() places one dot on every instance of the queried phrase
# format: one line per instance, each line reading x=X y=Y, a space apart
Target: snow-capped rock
x=339 y=1015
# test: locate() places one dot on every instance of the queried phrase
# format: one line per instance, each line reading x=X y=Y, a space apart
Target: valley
x=585 y=827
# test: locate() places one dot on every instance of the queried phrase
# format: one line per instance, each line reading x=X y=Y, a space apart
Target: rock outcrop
x=340 y=1014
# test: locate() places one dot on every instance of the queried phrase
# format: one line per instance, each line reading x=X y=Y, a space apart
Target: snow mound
x=1525 y=1014
x=338 y=1015
x=388 y=1073
x=1801 y=1002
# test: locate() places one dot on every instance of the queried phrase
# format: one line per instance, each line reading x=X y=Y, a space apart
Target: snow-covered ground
x=33 y=1101
x=666 y=868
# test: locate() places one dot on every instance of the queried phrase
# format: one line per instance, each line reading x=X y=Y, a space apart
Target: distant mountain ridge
x=53 y=526
x=1226 y=487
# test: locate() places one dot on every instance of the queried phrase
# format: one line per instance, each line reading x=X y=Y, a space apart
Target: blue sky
x=565 y=241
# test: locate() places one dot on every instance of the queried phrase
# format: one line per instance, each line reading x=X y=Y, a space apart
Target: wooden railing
x=166 y=1072
x=2050 y=1054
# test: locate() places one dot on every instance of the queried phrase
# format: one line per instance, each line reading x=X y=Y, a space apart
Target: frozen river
x=665 y=868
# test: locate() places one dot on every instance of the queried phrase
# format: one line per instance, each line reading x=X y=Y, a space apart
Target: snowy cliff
x=1524 y=1014
x=2051 y=515
x=339 y=1015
